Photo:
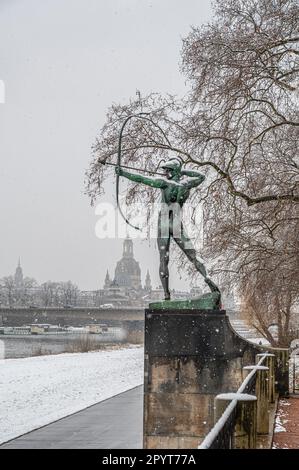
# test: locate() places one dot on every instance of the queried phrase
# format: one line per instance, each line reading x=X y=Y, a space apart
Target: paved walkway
x=286 y=435
x=115 y=423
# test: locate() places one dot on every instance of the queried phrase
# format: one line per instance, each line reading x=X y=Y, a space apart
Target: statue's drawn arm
x=153 y=182
x=195 y=180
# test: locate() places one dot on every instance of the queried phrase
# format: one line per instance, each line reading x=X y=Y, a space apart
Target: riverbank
x=21 y=346
x=36 y=391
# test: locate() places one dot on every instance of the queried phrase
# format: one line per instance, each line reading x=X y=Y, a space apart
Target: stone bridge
x=131 y=318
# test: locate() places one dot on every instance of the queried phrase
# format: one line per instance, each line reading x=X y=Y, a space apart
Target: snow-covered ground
x=38 y=390
x=281 y=421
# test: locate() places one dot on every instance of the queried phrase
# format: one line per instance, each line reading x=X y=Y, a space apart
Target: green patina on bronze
x=209 y=301
x=175 y=189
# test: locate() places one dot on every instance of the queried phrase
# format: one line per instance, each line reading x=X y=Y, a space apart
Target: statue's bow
x=138 y=116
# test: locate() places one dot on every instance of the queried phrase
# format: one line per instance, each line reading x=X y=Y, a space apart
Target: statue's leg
x=163 y=246
x=187 y=247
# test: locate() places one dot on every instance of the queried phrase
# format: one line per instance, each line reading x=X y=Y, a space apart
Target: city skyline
x=127 y=287
x=19 y=272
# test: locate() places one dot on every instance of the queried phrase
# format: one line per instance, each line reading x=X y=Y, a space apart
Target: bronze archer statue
x=175 y=190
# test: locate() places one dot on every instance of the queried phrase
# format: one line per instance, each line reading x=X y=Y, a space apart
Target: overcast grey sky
x=63 y=63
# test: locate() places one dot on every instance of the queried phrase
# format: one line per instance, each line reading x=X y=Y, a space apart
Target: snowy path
x=286 y=433
x=38 y=390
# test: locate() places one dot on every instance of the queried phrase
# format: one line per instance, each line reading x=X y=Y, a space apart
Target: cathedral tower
x=148 y=283
x=127 y=271
x=107 y=280
x=19 y=276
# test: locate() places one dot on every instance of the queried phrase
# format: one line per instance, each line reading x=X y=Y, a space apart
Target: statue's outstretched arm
x=153 y=182
x=196 y=178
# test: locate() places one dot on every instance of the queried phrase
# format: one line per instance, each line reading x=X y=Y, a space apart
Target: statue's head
x=172 y=168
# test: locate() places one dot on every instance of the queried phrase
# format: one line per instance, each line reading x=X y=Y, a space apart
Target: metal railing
x=222 y=435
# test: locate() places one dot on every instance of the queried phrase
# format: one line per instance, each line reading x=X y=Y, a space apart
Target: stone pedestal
x=190 y=357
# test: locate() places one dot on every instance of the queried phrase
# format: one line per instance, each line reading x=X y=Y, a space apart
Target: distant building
x=17 y=290
x=154 y=295
x=148 y=283
x=19 y=280
x=107 y=280
x=124 y=289
x=127 y=271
